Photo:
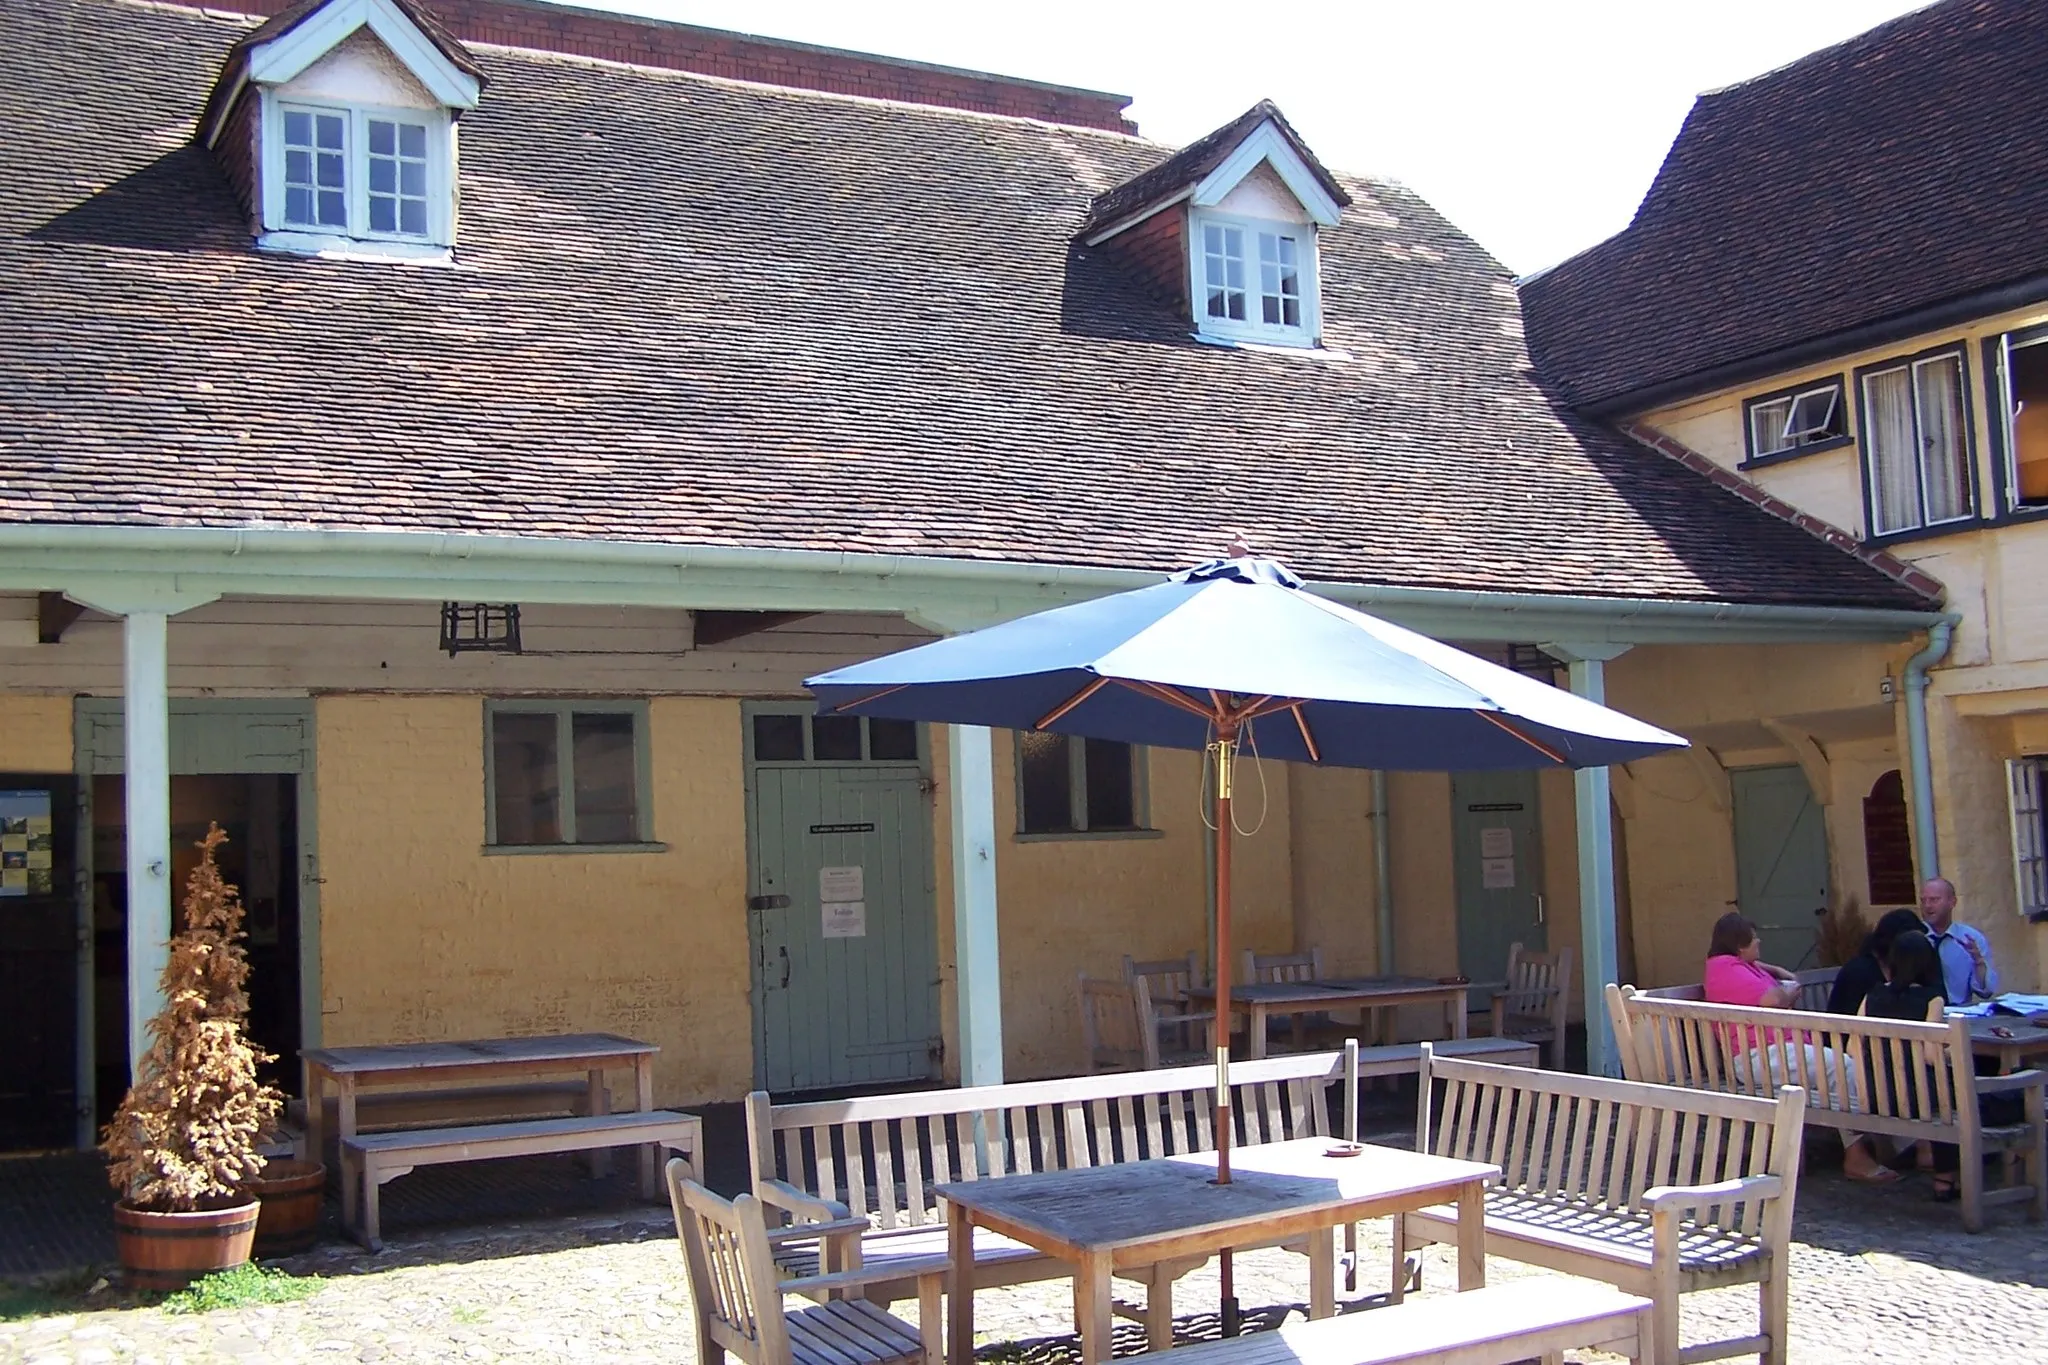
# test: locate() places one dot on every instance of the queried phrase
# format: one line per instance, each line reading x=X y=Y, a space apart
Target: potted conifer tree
x=183 y=1144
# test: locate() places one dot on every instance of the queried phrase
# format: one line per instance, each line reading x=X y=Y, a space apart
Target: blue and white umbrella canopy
x=1312 y=680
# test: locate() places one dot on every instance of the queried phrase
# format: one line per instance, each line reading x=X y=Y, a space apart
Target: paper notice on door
x=1497 y=874
x=1496 y=841
x=845 y=919
x=842 y=884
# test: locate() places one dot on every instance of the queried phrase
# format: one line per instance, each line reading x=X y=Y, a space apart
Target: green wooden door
x=1497 y=840
x=841 y=911
x=1781 y=862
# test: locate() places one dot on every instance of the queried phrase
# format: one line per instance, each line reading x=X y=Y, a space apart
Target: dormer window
x=1253 y=278
x=337 y=126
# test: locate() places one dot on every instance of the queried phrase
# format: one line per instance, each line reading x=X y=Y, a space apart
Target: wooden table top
x=2025 y=1032
x=1349 y=988
x=561 y=1047
x=1102 y=1208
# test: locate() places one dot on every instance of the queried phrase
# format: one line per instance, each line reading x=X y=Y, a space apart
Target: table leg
x=650 y=1155
x=1472 y=1235
x=960 y=1286
x=1092 y=1292
x=1322 y=1273
x=312 y=1087
x=1457 y=1007
x=1258 y=1031
x=344 y=1109
x=598 y=1100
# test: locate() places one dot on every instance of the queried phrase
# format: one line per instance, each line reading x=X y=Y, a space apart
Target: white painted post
x=976 y=953
x=146 y=706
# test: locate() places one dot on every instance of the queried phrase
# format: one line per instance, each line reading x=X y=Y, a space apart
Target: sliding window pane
x=1938 y=385
x=1893 y=456
x=607 y=791
x=526 y=776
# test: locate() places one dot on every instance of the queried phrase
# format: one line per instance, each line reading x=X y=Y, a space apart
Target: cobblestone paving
x=1878 y=1276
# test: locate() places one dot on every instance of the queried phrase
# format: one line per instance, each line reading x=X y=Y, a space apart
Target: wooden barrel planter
x=170 y=1250
x=292 y=1194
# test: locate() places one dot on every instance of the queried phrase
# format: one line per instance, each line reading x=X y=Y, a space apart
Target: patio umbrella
x=1235 y=653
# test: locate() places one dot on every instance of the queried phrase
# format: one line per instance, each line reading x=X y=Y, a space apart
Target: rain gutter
x=296 y=560
x=1925 y=842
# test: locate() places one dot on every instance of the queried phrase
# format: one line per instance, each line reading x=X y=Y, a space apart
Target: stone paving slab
x=1878 y=1276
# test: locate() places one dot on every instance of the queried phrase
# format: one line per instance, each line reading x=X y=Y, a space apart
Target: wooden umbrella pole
x=1226 y=743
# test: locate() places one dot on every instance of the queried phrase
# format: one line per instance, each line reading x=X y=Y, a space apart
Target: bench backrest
x=1118 y=1028
x=1816 y=984
x=1261 y=968
x=882 y=1154
x=1605 y=1143
x=1888 y=1069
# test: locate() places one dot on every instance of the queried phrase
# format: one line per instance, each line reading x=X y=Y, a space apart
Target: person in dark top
x=1913 y=983
x=1866 y=969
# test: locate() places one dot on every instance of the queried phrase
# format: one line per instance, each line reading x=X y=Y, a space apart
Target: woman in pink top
x=1736 y=974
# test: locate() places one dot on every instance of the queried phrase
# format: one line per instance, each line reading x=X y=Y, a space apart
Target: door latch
x=767 y=902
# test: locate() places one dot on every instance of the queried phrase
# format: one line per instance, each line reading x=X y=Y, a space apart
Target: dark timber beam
x=723 y=627
x=54 y=614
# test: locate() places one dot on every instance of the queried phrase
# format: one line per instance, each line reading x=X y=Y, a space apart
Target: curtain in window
x=1892 y=457
x=1939 y=391
x=2029 y=835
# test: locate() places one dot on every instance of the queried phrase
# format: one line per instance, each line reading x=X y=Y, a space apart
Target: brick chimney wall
x=682 y=47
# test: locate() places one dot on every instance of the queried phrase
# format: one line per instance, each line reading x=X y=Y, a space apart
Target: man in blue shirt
x=1965 y=953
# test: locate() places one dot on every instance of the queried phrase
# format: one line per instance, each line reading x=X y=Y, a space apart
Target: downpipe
x=1926 y=844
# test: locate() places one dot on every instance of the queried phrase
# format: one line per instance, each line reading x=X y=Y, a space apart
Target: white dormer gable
x=350 y=119
x=285 y=57
x=1266 y=148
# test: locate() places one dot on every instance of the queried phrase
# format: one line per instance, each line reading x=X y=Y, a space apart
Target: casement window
x=1916 y=443
x=1798 y=420
x=2026 y=777
x=1069 y=785
x=567 y=774
x=378 y=175
x=1255 y=280
x=2021 y=388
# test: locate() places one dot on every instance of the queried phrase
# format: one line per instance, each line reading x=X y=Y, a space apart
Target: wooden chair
x=1116 y=1030
x=1168 y=981
x=738 y=1297
x=1260 y=968
x=1531 y=1007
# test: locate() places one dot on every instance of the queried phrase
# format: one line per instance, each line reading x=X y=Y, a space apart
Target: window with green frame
x=565 y=773
x=1068 y=785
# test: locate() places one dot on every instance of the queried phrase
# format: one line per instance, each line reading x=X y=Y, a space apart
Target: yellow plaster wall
x=35 y=734
x=1973 y=825
x=1332 y=855
x=424 y=937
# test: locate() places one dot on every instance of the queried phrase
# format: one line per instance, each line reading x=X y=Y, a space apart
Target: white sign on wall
x=1496 y=841
x=1497 y=874
x=842 y=884
x=845 y=919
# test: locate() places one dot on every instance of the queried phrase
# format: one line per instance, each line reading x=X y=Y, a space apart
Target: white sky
x=1535 y=125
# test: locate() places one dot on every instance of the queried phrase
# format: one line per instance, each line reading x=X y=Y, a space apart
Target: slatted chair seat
x=1705 y=1254
x=849 y=1332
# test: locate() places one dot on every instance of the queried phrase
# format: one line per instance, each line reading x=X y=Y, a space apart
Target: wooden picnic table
x=2028 y=1039
x=1259 y=1000
x=354 y=1069
x=1140 y=1213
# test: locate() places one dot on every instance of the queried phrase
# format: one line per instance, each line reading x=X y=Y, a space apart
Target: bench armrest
x=2018 y=1080
x=797 y=1232
x=922 y=1268
x=797 y=1204
x=1681 y=1197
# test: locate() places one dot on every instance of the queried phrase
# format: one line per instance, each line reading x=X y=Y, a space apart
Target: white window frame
x=1252 y=328
x=1912 y=366
x=564 y=711
x=2026 y=780
x=1788 y=440
x=440 y=189
x=2019 y=339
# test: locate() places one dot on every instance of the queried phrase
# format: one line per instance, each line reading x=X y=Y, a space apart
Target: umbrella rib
x=1169 y=696
x=1315 y=755
x=872 y=696
x=1538 y=745
x=1071 y=702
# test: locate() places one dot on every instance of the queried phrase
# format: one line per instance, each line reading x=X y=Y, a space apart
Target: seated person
x=1866 y=969
x=1912 y=990
x=1736 y=974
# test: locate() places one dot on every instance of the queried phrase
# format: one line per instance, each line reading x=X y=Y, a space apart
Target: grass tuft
x=238 y=1288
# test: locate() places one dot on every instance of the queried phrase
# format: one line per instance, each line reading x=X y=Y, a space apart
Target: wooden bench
x=382 y=1110
x=368 y=1160
x=872 y=1161
x=1815 y=984
x=1497 y=1325
x=1851 y=1067
x=1657 y=1191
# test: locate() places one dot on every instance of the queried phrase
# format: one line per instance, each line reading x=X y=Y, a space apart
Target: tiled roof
x=687 y=310
x=1193 y=163
x=1884 y=175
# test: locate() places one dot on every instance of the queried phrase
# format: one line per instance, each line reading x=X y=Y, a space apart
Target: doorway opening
x=259 y=812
